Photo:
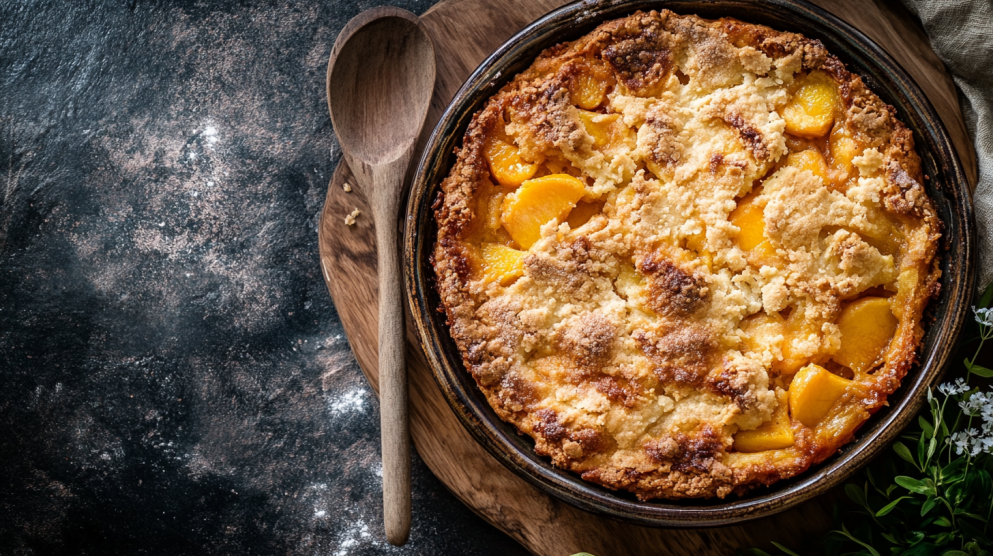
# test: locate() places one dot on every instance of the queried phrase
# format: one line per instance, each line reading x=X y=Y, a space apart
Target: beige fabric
x=961 y=33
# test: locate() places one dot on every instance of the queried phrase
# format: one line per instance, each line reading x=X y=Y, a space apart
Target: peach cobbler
x=687 y=257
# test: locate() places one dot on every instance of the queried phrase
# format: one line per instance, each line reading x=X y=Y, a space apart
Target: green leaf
x=943 y=522
x=984 y=300
x=856 y=494
x=784 y=549
x=889 y=490
x=926 y=427
x=891 y=538
x=928 y=505
x=985 y=485
x=982 y=371
x=960 y=511
x=942 y=538
x=914 y=537
x=932 y=445
x=889 y=507
x=923 y=549
x=901 y=450
x=911 y=484
x=844 y=532
x=954 y=553
x=953 y=471
x=872 y=479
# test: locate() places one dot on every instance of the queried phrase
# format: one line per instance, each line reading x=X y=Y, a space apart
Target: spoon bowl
x=381 y=71
x=380 y=82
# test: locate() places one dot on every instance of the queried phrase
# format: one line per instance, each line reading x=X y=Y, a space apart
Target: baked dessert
x=688 y=257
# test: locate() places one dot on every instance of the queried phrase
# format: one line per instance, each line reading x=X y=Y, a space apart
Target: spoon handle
x=392 y=383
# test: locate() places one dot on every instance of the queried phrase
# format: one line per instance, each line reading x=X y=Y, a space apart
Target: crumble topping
x=641 y=332
x=350 y=217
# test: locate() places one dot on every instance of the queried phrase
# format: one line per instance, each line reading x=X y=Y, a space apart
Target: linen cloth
x=961 y=33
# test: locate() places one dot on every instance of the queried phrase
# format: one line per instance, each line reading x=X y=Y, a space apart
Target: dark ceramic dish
x=947 y=186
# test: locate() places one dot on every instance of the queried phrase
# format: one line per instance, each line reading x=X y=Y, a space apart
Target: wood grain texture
x=380 y=75
x=465 y=32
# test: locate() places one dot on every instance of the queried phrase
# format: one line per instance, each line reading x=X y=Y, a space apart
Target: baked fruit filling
x=687 y=257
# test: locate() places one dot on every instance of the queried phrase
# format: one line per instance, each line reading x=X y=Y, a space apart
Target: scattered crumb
x=350 y=219
x=347 y=187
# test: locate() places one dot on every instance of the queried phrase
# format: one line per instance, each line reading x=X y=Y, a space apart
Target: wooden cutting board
x=464 y=33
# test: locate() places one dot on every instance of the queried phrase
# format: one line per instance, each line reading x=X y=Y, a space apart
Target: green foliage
x=933 y=493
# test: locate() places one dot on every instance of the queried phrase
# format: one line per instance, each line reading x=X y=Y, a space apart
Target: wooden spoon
x=380 y=81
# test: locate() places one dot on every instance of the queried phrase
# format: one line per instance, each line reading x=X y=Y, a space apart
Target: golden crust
x=621 y=349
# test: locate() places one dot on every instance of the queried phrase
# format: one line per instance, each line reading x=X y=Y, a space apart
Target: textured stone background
x=173 y=376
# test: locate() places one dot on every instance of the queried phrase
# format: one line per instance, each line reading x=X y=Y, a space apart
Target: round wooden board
x=464 y=33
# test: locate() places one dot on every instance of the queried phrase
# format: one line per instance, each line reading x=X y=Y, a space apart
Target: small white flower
x=984 y=401
x=986 y=441
x=984 y=404
x=960 y=440
x=950 y=389
x=961 y=386
x=975 y=442
x=984 y=316
x=980 y=403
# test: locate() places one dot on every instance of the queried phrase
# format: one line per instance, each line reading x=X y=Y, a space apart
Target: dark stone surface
x=173 y=376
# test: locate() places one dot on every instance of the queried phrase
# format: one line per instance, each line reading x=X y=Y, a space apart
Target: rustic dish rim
x=947 y=186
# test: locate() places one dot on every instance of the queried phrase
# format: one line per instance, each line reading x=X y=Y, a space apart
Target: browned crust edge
x=691 y=466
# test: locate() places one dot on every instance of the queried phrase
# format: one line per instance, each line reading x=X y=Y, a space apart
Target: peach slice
x=813 y=393
x=697 y=243
x=774 y=434
x=843 y=150
x=588 y=92
x=589 y=88
x=582 y=213
x=607 y=130
x=599 y=130
x=760 y=328
x=506 y=164
x=811 y=160
x=867 y=325
x=663 y=173
x=537 y=202
x=810 y=111
x=748 y=217
x=796 y=327
x=501 y=263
